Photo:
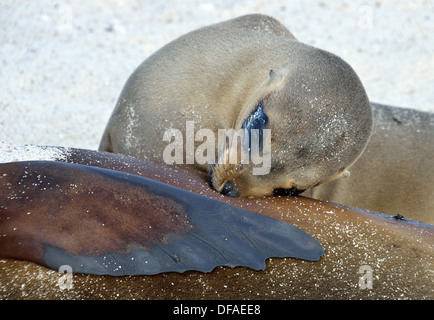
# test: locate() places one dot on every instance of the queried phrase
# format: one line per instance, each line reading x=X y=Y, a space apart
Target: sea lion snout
x=230 y=189
x=294 y=191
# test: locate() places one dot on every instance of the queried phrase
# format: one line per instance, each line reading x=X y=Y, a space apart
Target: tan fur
x=395 y=174
x=318 y=111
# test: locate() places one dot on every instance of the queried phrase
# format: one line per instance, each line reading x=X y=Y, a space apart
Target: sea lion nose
x=287 y=192
x=230 y=189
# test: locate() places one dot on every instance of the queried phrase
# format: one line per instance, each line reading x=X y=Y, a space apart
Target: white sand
x=64 y=63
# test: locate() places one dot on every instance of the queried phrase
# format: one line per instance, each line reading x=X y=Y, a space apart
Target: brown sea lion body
x=396 y=255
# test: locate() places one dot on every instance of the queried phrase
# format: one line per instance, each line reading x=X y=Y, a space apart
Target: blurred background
x=63 y=63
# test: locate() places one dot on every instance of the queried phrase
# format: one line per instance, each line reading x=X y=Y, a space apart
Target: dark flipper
x=100 y=221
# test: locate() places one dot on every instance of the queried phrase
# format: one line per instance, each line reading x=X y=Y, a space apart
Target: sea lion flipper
x=101 y=221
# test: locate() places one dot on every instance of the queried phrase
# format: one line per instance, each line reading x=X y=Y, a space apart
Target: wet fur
x=395 y=249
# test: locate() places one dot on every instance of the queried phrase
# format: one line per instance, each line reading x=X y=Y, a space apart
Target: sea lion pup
x=243 y=74
x=395 y=174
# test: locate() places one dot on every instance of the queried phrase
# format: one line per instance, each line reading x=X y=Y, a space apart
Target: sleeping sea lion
x=306 y=108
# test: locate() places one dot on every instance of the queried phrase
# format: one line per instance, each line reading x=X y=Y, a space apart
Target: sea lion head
x=318 y=118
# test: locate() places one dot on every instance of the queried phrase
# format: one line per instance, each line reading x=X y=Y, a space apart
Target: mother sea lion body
x=248 y=69
x=395 y=254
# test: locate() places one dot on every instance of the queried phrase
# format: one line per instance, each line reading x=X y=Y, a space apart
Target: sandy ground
x=64 y=63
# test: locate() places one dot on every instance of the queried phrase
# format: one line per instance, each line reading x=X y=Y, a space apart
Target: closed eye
x=257 y=120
